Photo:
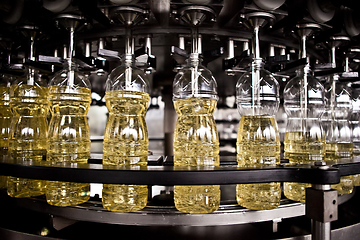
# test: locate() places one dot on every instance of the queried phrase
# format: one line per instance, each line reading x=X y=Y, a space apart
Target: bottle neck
x=194 y=60
x=257 y=63
x=71 y=69
x=306 y=70
x=129 y=59
x=30 y=76
x=71 y=65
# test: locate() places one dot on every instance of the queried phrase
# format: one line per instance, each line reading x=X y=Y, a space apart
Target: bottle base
x=64 y=194
x=345 y=186
x=295 y=191
x=24 y=188
x=28 y=155
x=262 y=196
x=356 y=179
x=3 y=182
x=124 y=198
x=197 y=199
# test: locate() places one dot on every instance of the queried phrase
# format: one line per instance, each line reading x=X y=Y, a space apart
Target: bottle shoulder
x=127 y=78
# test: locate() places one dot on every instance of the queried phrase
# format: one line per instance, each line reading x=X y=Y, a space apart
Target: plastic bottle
x=354 y=121
x=304 y=138
x=338 y=132
x=28 y=130
x=69 y=134
x=5 y=120
x=258 y=141
x=355 y=127
x=126 y=136
x=196 y=141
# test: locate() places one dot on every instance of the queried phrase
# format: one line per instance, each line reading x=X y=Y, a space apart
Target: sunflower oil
x=5 y=121
x=69 y=141
x=196 y=143
x=334 y=153
x=125 y=143
x=299 y=150
x=258 y=145
x=28 y=135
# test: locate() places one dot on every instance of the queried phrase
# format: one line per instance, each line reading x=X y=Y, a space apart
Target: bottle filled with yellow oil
x=196 y=141
x=300 y=149
x=304 y=101
x=125 y=143
x=5 y=120
x=258 y=140
x=126 y=139
x=28 y=130
x=69 y=134
x=304 y=141
x=338 y=131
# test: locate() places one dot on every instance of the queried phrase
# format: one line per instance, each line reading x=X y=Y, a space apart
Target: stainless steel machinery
x=161 y=30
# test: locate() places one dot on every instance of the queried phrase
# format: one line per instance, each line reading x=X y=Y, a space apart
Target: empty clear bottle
x=196 y=141
x=5 y=120
x=126 y=136
x=28 y=130
x=69 y=135
x=258 y=141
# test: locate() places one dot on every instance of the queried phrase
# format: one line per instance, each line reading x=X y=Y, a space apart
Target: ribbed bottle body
x=69 y=141
x=258 y=145
x=125 y=144
x=28 y=135
x=196 y=143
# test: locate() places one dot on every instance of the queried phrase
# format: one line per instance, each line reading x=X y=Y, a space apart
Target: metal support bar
x=321 y=207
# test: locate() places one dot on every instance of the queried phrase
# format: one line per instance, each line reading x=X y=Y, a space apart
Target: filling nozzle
x=31 y=71
x=71 y=72
x=304 y=84
x=333 y=79
x=255 y=74
x=128 y=58
x=194 y=61
x=256 y=43
x=255 y=21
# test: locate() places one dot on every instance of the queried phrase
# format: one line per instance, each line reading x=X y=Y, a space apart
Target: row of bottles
x=318 y=127
x=64 y=139
x=28 y=129
x=127 y=103
x=29 y=138
x=196 y=141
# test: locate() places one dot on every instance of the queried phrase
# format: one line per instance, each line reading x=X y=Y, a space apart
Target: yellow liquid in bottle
x=196 y=143
x=299 y=150
x=5 y=121
x=334 y=153
x=28 y=135
x=356 y=180
x=341 y=150
x=125 y=143
x=69 y=141
x=258 y=144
